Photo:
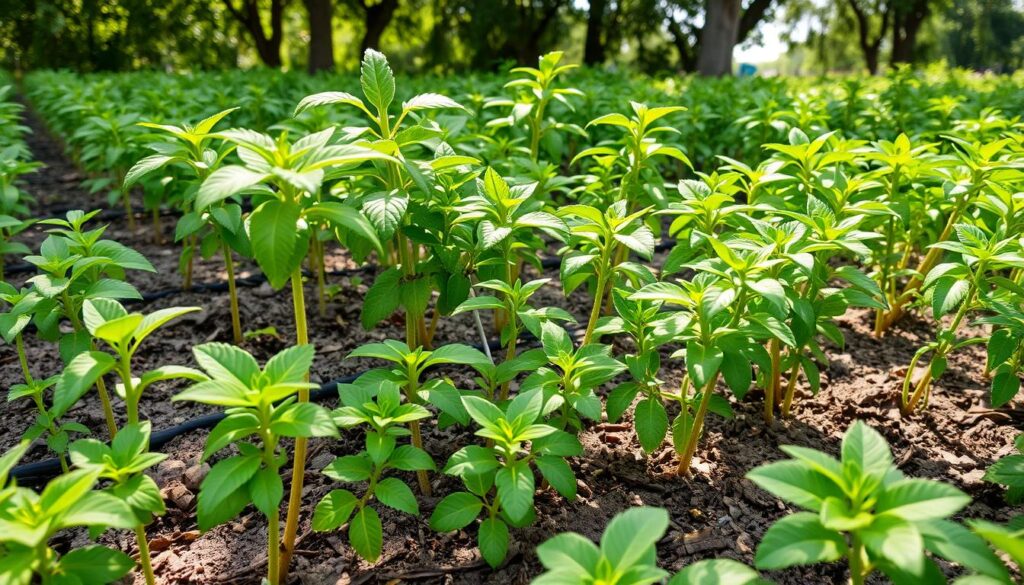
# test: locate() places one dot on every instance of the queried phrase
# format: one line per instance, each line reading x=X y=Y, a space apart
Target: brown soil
x=717 y=513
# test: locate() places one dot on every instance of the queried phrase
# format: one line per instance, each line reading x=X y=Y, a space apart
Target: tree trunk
x=321 y=35
x=378 y=17
x=268 y=48
x=718 y=37
x=594 y=47
x=906 y=24
x=868 y=46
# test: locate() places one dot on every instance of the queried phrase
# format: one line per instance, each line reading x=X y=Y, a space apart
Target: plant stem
x=37 y=398
x=923 y=387
x=772 y=389
x=686 y=459
x=236 y=319
x=602 y=280
x=856 y=561
x=925 y=266
x=794 y=373
x=144 y=562
x=131 y=401
x=101 y=387
x=411 y=394
x=291 y=526
x=158 y=236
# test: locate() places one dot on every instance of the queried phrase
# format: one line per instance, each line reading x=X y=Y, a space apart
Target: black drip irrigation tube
x=39 y=472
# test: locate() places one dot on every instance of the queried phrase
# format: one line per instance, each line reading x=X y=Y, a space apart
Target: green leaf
x=455 y=511
x=377 y=80
x=866 y=451
x=558 y=473
x=952 y=541
x=328 y=97
x=227 y=362
x=409 y=458
x=795 y=482
x=632 y=534
x=349 y=218
x=334 y=510
x=493 y=541
x=266 y=490
x=836 y=514
x=717 y=572
x=394 y=493
x=483 y=411
x=98 y=509
x=290 y=365
x=430 y=101
x=1005 y=385
x=225 y=182
x=96 y=565
x=651 y=423
x=798 y=539
x=366 y=534
x=1008 y=471
x=78 y=377
x=303 y=419
x=144 y=167
x=947 y=295
x=515 y=488
x=382 y=299
x=570 y=553
x=471 y=460
x=457 y=353
x=920 y=499
x=277 y=243
x=349 y=468
x=702 y=363
x=224 y=479
x=897 y=540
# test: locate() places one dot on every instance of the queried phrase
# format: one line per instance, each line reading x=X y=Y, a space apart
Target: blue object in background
x=747 y=70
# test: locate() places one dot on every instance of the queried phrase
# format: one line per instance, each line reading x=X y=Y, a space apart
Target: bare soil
x=717 y=513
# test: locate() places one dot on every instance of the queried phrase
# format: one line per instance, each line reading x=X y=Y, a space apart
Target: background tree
x=321 y=34
x=872 y=19
x=248 y=14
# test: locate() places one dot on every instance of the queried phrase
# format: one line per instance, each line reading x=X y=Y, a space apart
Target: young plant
x=261 y=404
x=29 y=520
x=108 y=321
x=572 y=376
x=285 y=178
x=595 y=237
x=981 y=162
x=123 y=463
x=724 y=336
x=535 y=91
x=221 y=227
x=861 y=508
x=23 y=305
x=77 y=265
x=626 y=555
x=407 y=373
x=500 y=477
x=388 y=204
x=382 y=410
x=959 y=285
x=513 y=302
x=13 y=201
